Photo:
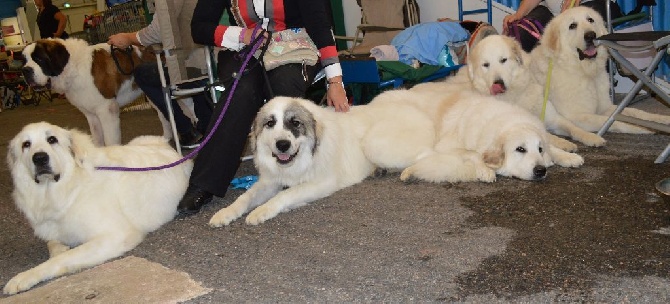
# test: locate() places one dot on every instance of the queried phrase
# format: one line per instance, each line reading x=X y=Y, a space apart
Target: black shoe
x=190 y=140
x=193 y=200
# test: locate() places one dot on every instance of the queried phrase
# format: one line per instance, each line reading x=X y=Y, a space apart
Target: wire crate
x=121 y=18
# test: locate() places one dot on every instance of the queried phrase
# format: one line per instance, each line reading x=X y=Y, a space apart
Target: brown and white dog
x=90 y=79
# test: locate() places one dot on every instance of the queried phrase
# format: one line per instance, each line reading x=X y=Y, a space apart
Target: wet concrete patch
x=574 y=231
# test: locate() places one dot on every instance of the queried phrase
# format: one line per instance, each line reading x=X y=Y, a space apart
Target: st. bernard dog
x=90 y=79
x=303 y=152
x=89 y=216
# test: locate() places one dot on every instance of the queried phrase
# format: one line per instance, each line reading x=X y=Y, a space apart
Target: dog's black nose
x=283 y=145
x=41 y=159
x=499 y=81
x=540 y=171
x=27 y=70
x=590 y=36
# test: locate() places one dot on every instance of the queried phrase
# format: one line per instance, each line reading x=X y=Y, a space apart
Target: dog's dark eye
x=26 y=144
x=503 y=60
x=52 y=140
x=296 y=123
x=486 y=64
x=271 y=123
x=540 y=149
x=590 y=20
x=573 y=26
x=521 y=149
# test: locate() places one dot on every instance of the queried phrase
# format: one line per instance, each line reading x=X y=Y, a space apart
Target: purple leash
x=216 y=124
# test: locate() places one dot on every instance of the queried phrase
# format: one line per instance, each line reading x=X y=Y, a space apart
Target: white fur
x=76 y=82
x=579 y=89
x=327 y=157
x=99 y=214
x=460 y=137
x=500 y=61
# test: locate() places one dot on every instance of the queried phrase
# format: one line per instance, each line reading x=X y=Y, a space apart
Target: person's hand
x=120 y=40
x=336 y=95
x=248 y=33
x=509 y=19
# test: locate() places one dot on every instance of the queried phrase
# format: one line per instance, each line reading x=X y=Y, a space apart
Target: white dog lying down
x=100 y=215
x=579 y=87
x=297 y=144
x=498 y=66
x=469 y=137
x=304 y=152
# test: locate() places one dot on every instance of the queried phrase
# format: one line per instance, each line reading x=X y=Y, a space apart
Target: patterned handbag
x=290 y=46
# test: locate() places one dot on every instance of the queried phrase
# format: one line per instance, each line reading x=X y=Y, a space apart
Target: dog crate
x=122 y=18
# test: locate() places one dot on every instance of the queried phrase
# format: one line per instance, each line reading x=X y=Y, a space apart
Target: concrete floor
x=591 y=234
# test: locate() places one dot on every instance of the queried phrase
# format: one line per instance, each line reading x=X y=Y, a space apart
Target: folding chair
x=381 y=21
x=488 y=10
x=176 y=47
x=651 y=40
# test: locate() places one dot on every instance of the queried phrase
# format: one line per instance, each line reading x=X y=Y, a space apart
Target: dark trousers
x=218 y=161
x=148 y=79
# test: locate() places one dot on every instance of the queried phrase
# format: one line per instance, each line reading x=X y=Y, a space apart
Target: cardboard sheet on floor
x=127 y=280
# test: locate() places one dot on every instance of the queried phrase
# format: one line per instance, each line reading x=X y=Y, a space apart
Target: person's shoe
x=190 y=140
x=193 y=200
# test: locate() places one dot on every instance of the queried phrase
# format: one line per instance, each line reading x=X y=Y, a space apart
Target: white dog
x=99 y=214
x=470 y=137
x=312 y=150
x=498 y=66
x=93 y=78
x=579 y=86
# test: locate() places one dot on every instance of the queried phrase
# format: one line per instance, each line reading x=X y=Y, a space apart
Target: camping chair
x=633 y=21
x=381 y=21
x=175 y=25
x=652 y=40
x=618 y=43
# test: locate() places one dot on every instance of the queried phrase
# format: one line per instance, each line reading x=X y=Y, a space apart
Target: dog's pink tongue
x=591 y=51
x=496 y=89
x=283 y=156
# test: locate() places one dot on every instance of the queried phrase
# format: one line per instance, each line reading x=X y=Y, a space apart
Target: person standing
x=216 y=164
x=50 y=20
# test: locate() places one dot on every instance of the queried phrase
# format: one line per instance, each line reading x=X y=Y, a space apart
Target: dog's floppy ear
x=521 y=56
x=551 y=37
x=318 y=132
x=80 y=146
x=52 y=56
x=256 y=129
x=495 y=155
x=11 y=153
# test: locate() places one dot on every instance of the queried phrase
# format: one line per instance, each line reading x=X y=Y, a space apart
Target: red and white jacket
x=220 y=22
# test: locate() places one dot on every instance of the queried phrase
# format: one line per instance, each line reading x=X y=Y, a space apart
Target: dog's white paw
x=22 y=282
x=261 y=214
x=406 y=175
x=223 y=218
x=486 y=174
x=562 y=143
x=570 y=160
x=592 y=140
